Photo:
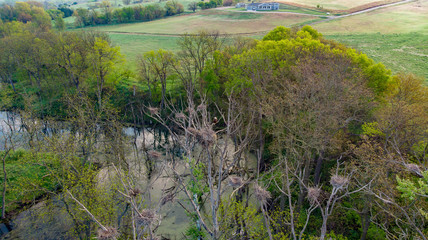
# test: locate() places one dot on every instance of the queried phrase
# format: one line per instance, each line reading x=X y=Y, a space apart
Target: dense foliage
x=210 y=4
x=85 y=17
x=26 y=12
x=293 y=136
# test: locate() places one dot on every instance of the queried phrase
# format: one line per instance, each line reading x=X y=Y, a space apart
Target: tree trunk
x=3 y=211
x=163 y=94
x=11 y=83
x=303 y=190
x=318 y=168
x=323 y=228
x=365 y=219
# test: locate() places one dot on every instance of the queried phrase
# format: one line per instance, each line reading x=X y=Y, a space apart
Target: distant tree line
x=85 y=17
x=26 y=12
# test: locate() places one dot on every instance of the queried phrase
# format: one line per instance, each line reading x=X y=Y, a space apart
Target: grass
x=395 y=36
x=406 y=52
x=223 y=21
x=332 y=4
x=69 y=22
x=133 y=45
x=405 y=18
x=287 y=8
x=132 y=40
x=226 y=15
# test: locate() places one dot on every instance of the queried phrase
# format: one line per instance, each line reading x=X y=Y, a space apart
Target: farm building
x=263 y=6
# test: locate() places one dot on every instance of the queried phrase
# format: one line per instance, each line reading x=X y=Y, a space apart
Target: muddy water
x=55 y=222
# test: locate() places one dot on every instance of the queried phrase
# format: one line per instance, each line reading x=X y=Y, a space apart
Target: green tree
x=157 y=66
x=193 y=6
x=173 y=7
x=59 y=23
x=8 y=64
x=277 y=34
x=106 y=10
x=102 y=60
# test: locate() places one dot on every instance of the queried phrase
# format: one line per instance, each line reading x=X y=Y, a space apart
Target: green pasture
x=69 y=22
x=406 y=52
x=131 y=45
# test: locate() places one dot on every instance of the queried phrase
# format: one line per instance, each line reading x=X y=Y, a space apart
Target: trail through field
x=375 y=8
x=329 y=18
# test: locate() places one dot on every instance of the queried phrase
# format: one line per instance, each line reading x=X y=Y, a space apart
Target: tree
x=82 y=17
x=8 y=64
x=6 y=133
x=303 y=123
x=126 y=2
x=54 y=13
x=157 y=66
x=398 y=138
x=106 y=9
x=196 y=50
x=173 y=7
x=67 y=11
x=59 y=23
x=102 y=59
x=193 y=6
x=277 y=34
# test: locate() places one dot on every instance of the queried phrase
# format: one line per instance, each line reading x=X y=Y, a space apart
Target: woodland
x=290 y=137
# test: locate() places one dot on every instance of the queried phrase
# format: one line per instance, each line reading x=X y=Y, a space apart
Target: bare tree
x=213 y=148
x=196 y=50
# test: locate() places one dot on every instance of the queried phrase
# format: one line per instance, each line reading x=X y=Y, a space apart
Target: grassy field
x=405 y=18
x=133 y=45
x=224 y=21
x=332 y=4
x=287 y=8
x=406 y=52
x=396 y=36
x=163 y=33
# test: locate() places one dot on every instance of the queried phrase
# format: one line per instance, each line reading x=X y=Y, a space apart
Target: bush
x=227 y=3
